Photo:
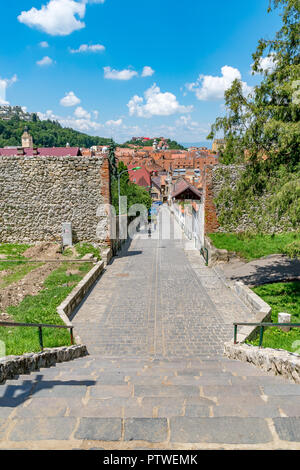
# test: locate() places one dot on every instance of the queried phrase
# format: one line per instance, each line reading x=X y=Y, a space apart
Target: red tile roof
x=140 y=177
x=44 y=152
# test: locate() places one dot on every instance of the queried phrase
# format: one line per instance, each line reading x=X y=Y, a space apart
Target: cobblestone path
x=154 y=325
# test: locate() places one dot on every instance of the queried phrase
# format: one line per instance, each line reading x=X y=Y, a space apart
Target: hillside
x=140 y=143
x=45 y=134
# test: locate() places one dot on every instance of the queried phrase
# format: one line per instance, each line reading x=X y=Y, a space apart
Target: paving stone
x=288 y=429
x=43 y=407
x=105 y=391
x=143 y=429
x=282 y=389
x=138 y=411
x=259 y=411
x=3 y=427
x=95 y=410
x=196 y=410
x=36 y=429
x=99 y=429
x=230 y=390
x=57 y=389
x=167 y=391
x=225 y=430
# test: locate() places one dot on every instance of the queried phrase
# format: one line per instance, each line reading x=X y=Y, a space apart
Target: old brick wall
x=211 y=223
x=38 y=194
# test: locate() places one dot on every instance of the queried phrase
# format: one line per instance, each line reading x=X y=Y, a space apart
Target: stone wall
x=275 y=361
x=38 y=194
x=217 y=178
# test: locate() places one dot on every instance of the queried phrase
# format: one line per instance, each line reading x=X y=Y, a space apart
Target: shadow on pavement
x=267 y=270
x=15 y=395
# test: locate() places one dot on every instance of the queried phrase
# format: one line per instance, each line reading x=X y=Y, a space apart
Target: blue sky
x=123 y=68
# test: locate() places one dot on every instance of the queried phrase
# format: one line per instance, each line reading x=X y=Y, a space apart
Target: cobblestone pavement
x=155 y=325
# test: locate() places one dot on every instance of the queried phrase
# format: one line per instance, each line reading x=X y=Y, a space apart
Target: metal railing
x=40 y=327
x=262 y=327
x=205 y=257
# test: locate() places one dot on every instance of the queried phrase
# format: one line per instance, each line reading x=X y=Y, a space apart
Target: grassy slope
x=255 y=246
x=42 y=309
x=282 y=297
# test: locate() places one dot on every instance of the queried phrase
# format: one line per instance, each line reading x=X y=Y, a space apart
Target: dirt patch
x=44 y=251
x=31 y=284
x=4 y=274
x=5 y=317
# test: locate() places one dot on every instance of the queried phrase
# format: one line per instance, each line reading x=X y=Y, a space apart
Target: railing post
x=261 y=336
x=235 y=333
x=72 y=336
x=41 y=337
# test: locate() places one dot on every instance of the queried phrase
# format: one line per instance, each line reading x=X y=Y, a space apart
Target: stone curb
x=261 y=309
x=11 y=366
x=107 y=255
x=216 y=255
x=276 y=361
x=258 y=306
x=67 y=307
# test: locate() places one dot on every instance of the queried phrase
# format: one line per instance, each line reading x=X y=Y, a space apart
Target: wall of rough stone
x=38 y=194
x=216 y=179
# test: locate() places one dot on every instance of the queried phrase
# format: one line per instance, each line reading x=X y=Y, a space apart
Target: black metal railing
x=40 y=327
x=205 y=257
x=262 y=327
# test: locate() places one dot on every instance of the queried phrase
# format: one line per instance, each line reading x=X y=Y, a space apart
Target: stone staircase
x=131 y=403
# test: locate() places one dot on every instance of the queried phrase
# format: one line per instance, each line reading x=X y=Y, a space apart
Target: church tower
x=27 y=141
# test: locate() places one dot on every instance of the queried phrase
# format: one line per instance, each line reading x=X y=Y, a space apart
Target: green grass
x=282 y=297
x=12 y=251
x=85 y=248
x=17 y=272
x=41 y=308
x=253 y=246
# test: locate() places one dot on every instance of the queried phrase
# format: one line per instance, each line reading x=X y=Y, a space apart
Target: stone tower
x=27 y=141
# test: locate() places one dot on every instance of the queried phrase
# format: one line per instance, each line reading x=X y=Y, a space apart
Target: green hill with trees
x=45 y=134
x=173 y=145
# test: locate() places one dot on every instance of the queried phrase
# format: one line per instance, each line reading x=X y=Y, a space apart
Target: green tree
x=263 y=128
x=135 y=194
x=267 y=121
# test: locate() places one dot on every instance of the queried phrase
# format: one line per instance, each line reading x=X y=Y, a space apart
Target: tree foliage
x=135 y=194
x=45 y=134
x=173 y=145
x=262 y=129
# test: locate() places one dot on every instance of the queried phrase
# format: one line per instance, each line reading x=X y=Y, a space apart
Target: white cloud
x=80 y=124
x=147 y=71
x=45 y=61
x=70 y=99
x=114 y=123
x=81 y=113
x=267 y=64
x=58 y=17
x=87 y=48
x=156 y=103
x=4 y=84
x=193 y=128
x=112 y=74
x=209 y=87
x=44 y=44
